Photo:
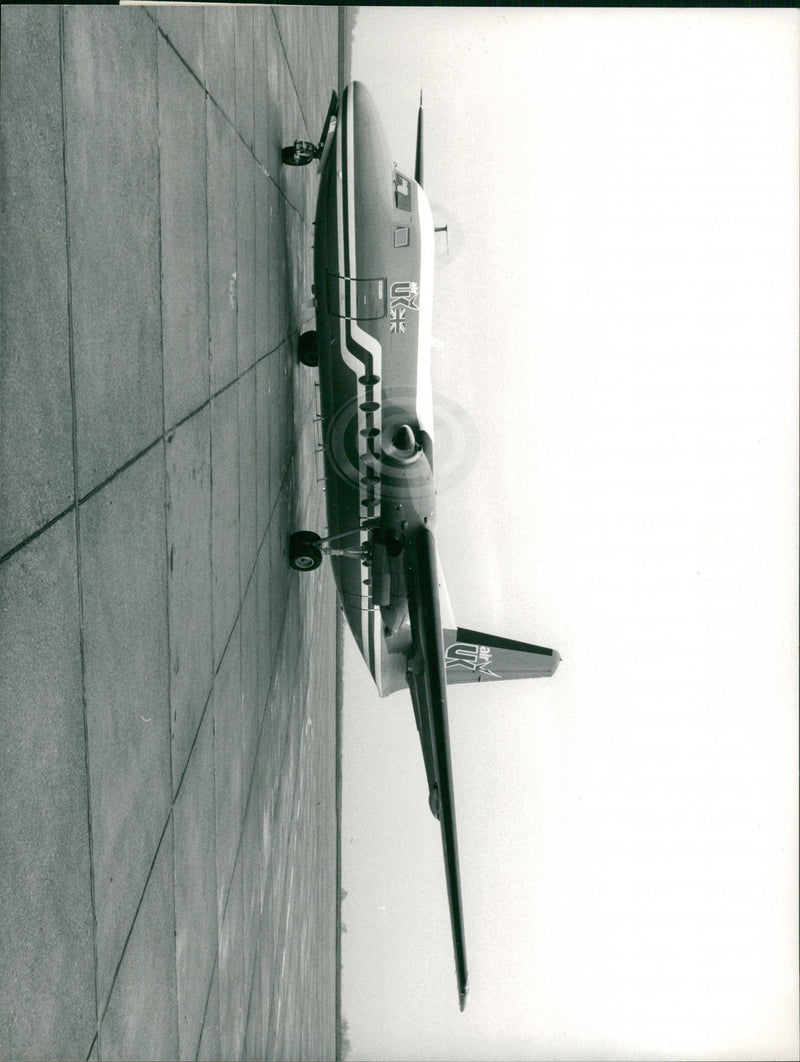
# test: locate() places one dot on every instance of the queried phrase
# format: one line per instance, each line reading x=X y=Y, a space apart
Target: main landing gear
x=307 y=547
x=307 y=349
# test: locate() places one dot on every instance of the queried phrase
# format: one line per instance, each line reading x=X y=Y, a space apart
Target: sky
x=616 y=354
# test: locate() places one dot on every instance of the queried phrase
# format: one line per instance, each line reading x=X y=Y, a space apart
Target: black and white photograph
x=399 y=532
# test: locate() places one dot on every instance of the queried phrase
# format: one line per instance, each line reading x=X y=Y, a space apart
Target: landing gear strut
x=306 y=549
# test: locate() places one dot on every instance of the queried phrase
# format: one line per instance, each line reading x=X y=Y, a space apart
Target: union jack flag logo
x=396 y=322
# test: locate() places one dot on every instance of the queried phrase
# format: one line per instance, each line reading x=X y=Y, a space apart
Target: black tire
x=306 y=538
x=304 y=553
x=307 y=350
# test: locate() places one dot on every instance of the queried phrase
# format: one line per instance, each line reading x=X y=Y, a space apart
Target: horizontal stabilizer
x=471 y=656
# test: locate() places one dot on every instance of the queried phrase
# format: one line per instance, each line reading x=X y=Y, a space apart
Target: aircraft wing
x=428 y=685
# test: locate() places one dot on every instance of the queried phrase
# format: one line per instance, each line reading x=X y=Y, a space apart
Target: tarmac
x=169 y=690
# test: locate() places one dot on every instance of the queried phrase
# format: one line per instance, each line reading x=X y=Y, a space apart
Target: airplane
x=373 y=286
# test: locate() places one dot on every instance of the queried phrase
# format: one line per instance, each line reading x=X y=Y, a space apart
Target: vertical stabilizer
x=418 y=163
x=472 y=656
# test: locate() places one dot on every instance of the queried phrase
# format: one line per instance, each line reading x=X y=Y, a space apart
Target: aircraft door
x=356 y=298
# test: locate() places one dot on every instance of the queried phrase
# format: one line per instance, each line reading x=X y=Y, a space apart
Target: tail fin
x=418 y=163
x=471 y=656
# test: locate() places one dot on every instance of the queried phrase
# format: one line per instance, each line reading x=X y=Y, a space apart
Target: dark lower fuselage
x=373 y=283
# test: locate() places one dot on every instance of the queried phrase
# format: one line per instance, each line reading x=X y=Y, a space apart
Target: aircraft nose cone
x=556 y=661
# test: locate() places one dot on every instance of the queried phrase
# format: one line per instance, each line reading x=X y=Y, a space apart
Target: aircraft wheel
x=300 y=153
x=304 y=553
x=305 y=537
x=307 y=350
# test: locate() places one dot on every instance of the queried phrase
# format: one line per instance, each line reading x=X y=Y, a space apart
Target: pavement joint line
x=291 y=75
x=170 y=818
x=214 y=970
x=238 y=425
x=216 y=103
x=175 y=799
x=210 y=696
x=253 y=49
x=232 y=122
x=263 y=711
x=253 y=773
x=256 y=419
x=236 y=178
x=76 y=506
x=165 y=489
x=261 y=165
x=194 y=742
x=261 y=716
x=251 y=992
x=35 y=534
x=142 y=453
x=124 y=948
x=280 y=941
x=210 y=542
x=118 y=471
x=181 y=57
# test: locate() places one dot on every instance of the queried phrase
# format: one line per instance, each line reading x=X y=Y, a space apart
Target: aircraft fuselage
x=373 y=286
x=373 y=283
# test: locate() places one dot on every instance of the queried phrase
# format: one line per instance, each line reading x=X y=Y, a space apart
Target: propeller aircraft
x=374 y=248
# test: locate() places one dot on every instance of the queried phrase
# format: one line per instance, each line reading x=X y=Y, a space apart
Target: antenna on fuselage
x=418 y=163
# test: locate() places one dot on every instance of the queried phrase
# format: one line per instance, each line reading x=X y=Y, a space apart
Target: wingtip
x=462 y=996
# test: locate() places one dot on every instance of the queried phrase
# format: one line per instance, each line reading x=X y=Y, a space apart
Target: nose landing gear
x=301 y=152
